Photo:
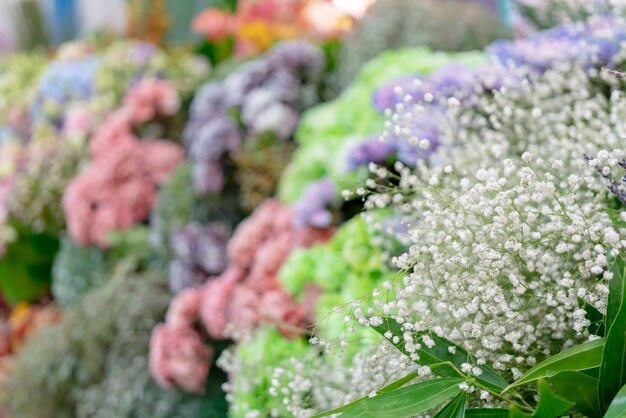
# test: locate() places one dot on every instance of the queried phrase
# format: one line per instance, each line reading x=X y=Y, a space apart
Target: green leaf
x=454 y=409
x=580 y=388
x=581 y=357
x=617 y=408
x=25 y=269
x=486 y=413
x=616 y=288
x=550 y=404
x=613 y=367
x=389 y=388
x=439 y=357
x=407 y=401
x=595 y=317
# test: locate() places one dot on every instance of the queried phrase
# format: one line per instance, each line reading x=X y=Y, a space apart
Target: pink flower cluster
x=246 y=294
x=178 y=357
x=120 y=185
x=249 y=292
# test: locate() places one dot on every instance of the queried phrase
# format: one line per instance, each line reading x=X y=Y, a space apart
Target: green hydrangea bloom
x=256 y=360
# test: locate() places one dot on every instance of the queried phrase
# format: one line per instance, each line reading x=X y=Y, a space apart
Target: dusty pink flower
x=149 y=98
x=215 y=302
x=268 y=260
x=279 y=308
x=114 y=131
x=118 y=188
x=259 y=247
x=252 y=232
x=179 y=358
x=184 y=309
x=161 y=158
x=243 y=308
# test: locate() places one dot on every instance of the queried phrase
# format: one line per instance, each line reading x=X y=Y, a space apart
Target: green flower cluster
x=17 y=75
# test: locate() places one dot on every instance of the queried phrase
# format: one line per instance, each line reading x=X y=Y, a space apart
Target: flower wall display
x=444 y=238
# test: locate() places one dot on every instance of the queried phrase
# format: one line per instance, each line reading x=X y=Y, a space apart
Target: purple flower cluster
x=430 y=94
x=268 y=94
x=593 y=43
x=312 y=208
x=200 y=252
x=372 y=150
x=451 y=80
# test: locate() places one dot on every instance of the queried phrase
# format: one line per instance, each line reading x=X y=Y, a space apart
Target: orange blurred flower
x=213 y=23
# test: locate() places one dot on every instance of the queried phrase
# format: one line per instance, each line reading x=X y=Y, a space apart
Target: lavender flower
x=312 y=208
x=269 y=94
x=592 y=43
x=200 y=252
x=372 y=150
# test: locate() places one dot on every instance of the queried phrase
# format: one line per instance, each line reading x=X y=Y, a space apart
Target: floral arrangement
x=119 y=187
x=511 y=287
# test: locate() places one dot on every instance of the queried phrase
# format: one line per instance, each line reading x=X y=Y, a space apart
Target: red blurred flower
x=214 y=24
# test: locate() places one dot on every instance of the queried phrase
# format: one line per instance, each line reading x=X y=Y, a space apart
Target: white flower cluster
x=509 y=231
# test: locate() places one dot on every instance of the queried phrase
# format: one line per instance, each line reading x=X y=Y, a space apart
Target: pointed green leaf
x=617 y=408
x=595 y=317
x=613 y=367
x=486 y=413
x=440 y=353
x=407 y=401
x=550 y=404
x=580 y=388
x=581 y=357
x=616 y=288
x=455 y=408
x=389 y=388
